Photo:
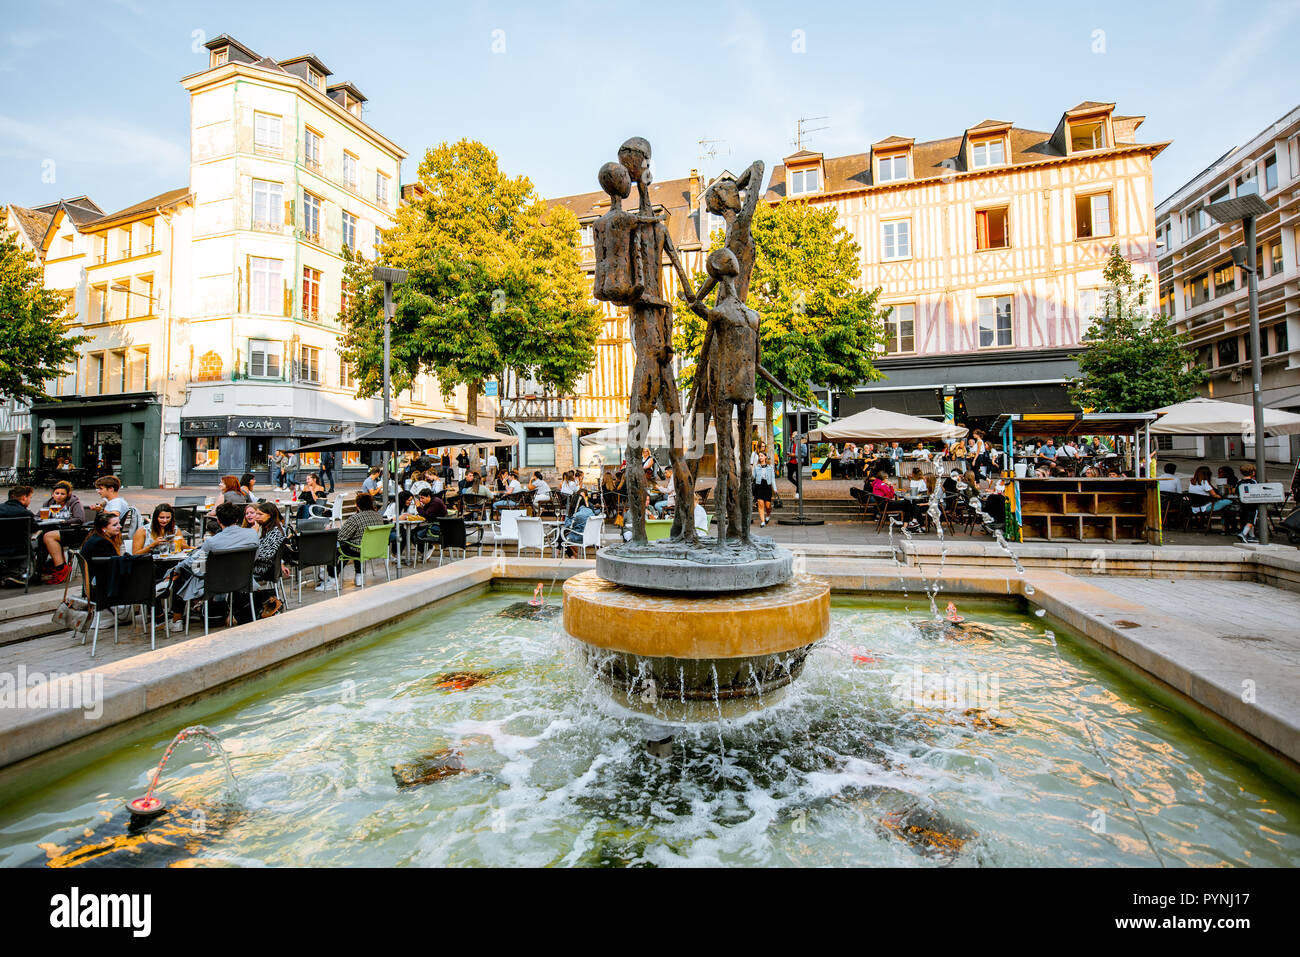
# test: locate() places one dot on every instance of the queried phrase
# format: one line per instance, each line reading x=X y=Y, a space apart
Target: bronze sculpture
x=629 y=256
x=725 y=381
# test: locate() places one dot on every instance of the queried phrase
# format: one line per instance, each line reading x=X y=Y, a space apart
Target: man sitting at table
x=431 y=508
x=186 y=583
x=1046 y=454
x=17 y=506
x=1169 y=482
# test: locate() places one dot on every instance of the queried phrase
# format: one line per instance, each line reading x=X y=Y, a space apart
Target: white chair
x=533 y=534
x=591 y=533
x=335 y=513
x=507 y=529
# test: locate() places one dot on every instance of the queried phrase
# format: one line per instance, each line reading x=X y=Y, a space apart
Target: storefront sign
x=316 y=426
x=257 y=425
x=203 y=426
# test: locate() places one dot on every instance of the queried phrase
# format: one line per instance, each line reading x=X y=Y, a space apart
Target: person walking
x=327 y=470
x=291 y=469
x=276 y=469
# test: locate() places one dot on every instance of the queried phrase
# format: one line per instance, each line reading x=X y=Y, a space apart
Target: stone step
x=14 y=604
x=23 y=629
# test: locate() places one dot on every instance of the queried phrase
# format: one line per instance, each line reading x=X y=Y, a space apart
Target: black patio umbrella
x=392 y=437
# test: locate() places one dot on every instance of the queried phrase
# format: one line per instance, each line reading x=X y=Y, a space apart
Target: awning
x=926 y=403
x=1215 y=417
x=995 y=400
x=882 y=425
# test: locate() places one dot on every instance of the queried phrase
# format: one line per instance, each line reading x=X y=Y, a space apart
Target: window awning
x=996 y=400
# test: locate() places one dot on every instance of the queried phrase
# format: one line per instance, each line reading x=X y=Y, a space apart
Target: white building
x=1207 y=296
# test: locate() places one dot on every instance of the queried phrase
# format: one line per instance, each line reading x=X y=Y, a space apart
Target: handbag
x=72 y=612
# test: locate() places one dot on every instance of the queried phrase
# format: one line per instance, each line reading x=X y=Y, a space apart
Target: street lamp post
x=388 y=275
x=1246 y=209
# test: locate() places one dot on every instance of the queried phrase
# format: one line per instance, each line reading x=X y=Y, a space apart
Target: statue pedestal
x=700 y=569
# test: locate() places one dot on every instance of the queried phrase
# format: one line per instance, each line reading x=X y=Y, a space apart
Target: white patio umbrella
x=881 y=425
x=1214 y=417
x=615 y=436
x=474 y=435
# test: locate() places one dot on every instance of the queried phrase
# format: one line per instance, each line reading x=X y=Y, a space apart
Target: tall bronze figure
x=735 y=201
x=727 y=381
x=629 y=254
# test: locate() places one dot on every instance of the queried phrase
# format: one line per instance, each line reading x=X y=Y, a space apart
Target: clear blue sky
x=94 y=85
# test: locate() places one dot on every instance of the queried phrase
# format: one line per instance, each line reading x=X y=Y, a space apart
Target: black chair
x=276 y=578
x=187 y=520
x=227 y=574
x=861 y=497
x=451 y=536
x=316 y=547
x=117 y=582
x=16 y=552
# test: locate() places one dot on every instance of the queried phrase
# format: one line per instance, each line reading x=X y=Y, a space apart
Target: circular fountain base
x=702 y=568
x=664 y=651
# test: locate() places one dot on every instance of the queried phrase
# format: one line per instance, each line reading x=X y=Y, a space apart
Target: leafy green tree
x=495 y=284
x=34 y=326
x=1134 y=360
x=815 y=325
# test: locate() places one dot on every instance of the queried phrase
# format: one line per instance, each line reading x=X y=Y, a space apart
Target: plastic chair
x=315 y=548
x=533 y=534
x=507 y=529
x=230 y=574
x=374 y=545
x=591 y=533
x=16 y=545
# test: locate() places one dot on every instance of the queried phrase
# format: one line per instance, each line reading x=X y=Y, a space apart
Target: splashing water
x=210 y=743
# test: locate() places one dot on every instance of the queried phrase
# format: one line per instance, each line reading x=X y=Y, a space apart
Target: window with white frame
x=892 y=168
x=220 y=57
x=350 y=176
x=987 y=153
x=1088 y=135
x=264 y=359
x=347 y=378
x=586 y=236
x=1092 y=216
x=1270 y=174
x=266 y=132
x=311 y=148
x=266 y=286
x=268 y=204
x=309 y=364
x=896 y=239
x=381 y=188
x=995 y=321
x=805 y=181
x=349 y=231
x=311 y=217
x=379 y=238
x=900 y=329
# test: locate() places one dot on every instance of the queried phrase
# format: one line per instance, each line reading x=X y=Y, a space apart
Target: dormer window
x=316 y=80
x=892 y=168
x=987 y=153
x=1088 y=135
x=220 y=56
x=805 y=181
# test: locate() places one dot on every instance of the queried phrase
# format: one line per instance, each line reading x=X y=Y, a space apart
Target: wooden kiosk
x=1077 y=509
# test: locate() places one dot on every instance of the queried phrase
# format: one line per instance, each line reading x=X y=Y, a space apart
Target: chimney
x=695 y=188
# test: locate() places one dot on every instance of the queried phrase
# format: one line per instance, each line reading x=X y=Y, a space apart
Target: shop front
x=85 y=437
x=213 y=446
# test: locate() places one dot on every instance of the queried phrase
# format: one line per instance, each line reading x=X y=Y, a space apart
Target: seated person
x=1201 y=485
x=16 y=550
x=187 y=584
x=576 y=526
x=1169 y=482
x=431 y=508
x=916 y=484
x=271 y=535
x=247 y=484
x=63 y=506
x=541 y=490
x=666 y=498
x=701 y=516
x=1249 y=513
x=372 y=483
x=350 y=538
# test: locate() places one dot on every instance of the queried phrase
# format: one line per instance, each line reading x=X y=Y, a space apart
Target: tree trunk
x=471 y=402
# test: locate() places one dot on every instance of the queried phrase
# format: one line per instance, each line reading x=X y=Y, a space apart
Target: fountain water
x=150 y=806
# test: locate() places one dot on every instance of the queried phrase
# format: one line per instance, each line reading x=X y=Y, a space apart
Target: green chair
x=657 y=529
x=374 y=545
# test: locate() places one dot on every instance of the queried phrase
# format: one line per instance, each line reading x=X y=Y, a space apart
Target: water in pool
x=472 y=737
